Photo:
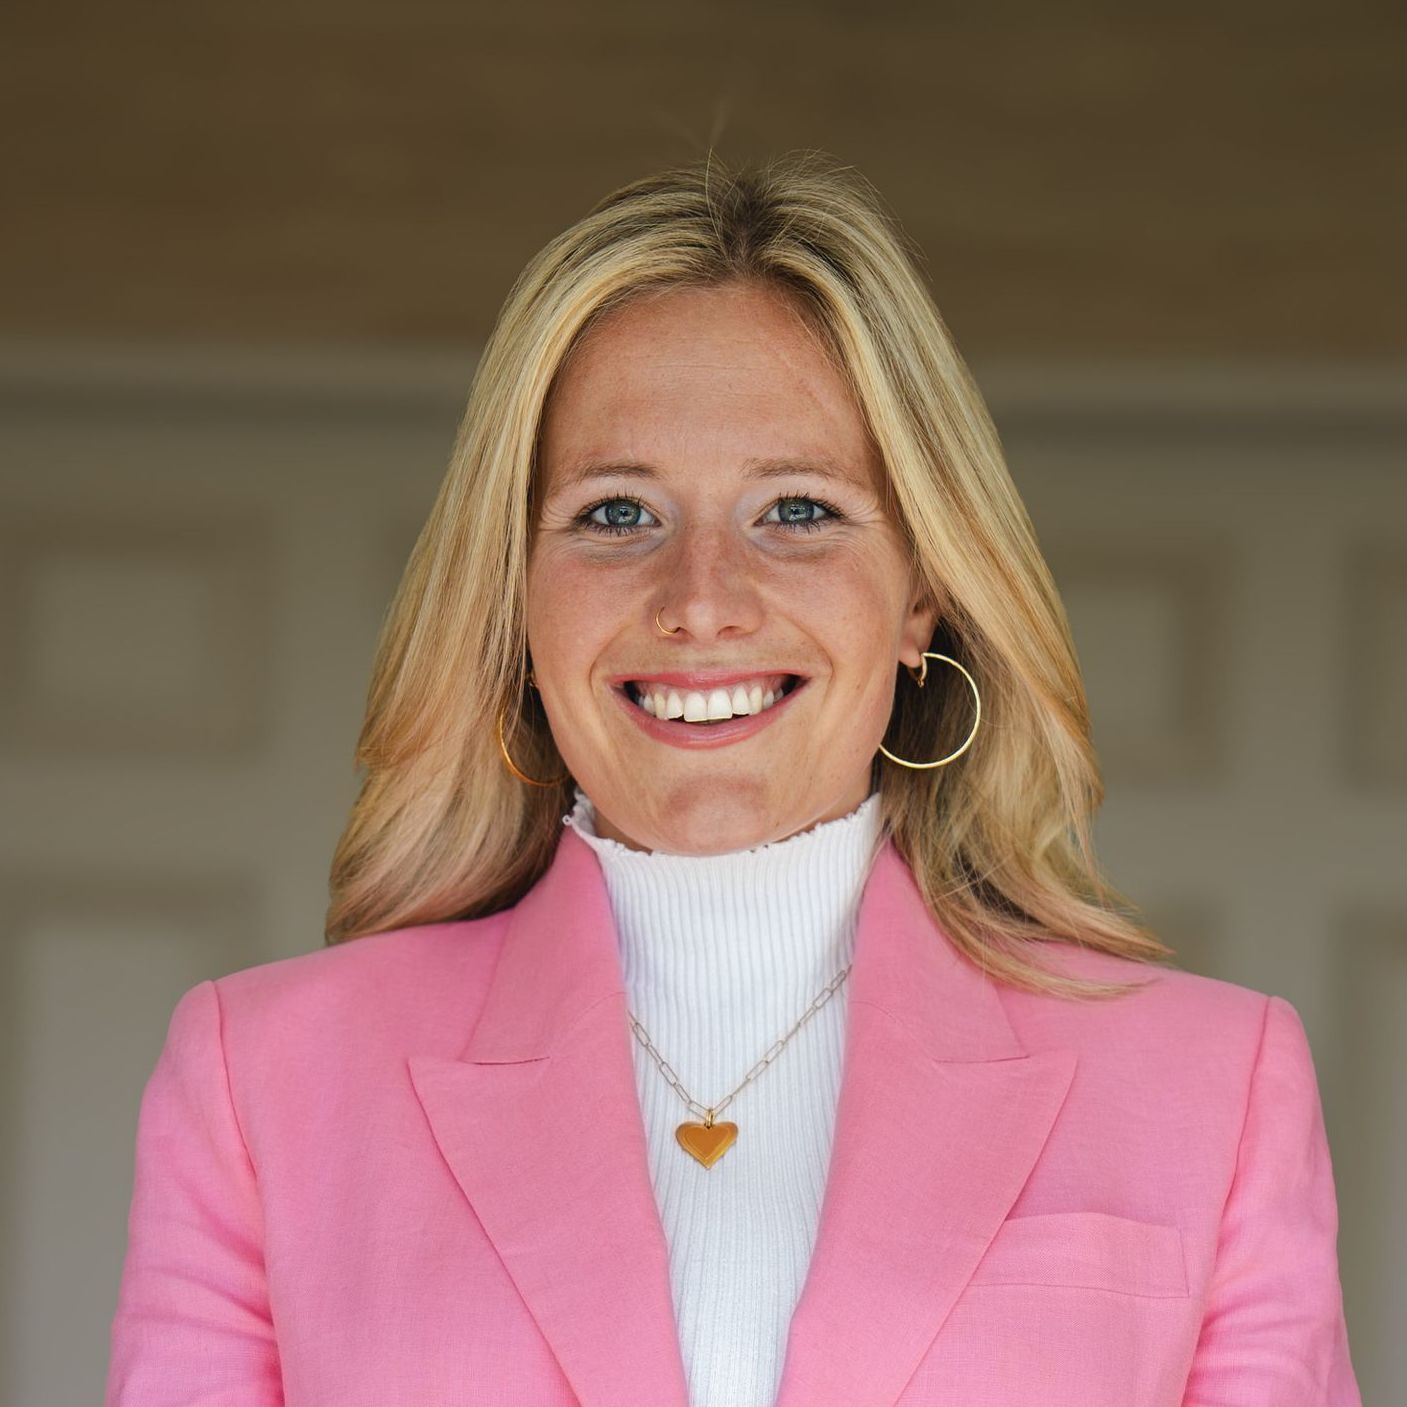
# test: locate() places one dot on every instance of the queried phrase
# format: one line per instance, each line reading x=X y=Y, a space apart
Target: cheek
x=551 y=622
x=573 y=612
x=856 y=617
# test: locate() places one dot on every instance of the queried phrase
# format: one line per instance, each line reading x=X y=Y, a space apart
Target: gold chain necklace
x=708 y=1142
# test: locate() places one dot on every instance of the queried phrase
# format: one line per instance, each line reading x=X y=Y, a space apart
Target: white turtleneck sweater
x=720 y=956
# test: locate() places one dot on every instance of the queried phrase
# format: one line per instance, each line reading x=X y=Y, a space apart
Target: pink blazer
x=410 y=1171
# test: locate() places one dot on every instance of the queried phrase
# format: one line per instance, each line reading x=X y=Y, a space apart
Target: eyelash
x=584 y=519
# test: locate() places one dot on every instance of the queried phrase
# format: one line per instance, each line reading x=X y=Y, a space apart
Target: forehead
x=745 y=317
x=734 y=370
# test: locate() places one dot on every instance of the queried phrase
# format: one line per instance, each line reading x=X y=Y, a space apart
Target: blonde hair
x=998 y=841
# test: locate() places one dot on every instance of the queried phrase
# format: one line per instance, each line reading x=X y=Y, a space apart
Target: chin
x=695 y=830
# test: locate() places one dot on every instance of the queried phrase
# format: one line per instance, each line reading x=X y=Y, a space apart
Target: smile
x=745 y=697
x=711 y=715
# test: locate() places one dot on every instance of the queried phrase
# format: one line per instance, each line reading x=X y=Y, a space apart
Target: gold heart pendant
x=707 y=1144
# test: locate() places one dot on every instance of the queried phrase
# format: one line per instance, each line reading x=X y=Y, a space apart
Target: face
x=701 y=457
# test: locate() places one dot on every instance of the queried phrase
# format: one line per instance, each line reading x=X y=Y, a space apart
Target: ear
x=919 y=624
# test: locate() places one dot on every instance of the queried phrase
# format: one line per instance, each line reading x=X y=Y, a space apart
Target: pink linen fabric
x=411 y=1169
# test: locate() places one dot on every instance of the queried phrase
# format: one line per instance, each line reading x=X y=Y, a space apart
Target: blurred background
x=250 y=253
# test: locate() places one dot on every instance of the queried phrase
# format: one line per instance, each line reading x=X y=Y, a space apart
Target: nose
x=709 y=584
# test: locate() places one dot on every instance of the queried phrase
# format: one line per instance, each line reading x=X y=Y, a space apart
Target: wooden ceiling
x=1116 y=182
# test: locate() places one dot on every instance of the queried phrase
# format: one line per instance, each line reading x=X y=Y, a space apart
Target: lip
x=690 y=736
x=702 y=679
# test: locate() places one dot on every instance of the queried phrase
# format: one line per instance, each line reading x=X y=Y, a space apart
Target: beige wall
x=1141 y=181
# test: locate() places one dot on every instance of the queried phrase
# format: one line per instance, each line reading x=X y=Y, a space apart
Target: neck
x=747 y=938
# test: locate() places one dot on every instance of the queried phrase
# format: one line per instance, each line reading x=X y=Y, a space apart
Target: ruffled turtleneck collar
x=779 y=916
x=863 y=823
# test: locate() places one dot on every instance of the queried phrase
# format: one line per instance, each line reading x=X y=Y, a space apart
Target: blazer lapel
x=539 y=1120
x=941 y=1117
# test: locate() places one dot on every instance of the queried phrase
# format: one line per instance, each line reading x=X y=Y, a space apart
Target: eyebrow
x=762 y=469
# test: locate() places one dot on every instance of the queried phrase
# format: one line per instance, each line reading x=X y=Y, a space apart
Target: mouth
x=708 y=705
x=705 y=711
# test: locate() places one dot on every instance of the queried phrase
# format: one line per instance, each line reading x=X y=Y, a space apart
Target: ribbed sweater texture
x=720 y=956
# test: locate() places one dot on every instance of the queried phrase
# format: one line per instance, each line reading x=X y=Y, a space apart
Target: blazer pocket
x=1093 y=1250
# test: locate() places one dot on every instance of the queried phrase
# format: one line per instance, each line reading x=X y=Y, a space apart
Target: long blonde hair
x=998 y=841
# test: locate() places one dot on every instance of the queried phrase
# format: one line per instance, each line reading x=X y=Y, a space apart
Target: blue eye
x=805 y=524
x=622 y=514
x=613 y=523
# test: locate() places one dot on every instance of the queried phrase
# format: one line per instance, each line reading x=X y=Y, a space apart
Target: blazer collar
x=941 y=1116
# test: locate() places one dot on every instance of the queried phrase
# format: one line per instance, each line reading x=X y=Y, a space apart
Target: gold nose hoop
x=676 y=629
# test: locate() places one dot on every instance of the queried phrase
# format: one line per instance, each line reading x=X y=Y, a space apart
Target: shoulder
x=1175 y=1028
x=414 y=987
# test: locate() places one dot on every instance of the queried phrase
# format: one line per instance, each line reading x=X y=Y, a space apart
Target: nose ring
x=676 y=629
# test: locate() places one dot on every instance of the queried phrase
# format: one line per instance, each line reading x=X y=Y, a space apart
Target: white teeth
x=696 y=706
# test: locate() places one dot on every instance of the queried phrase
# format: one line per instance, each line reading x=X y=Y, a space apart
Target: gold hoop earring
x=676 y=629
x=919 y=676
x=512 y=766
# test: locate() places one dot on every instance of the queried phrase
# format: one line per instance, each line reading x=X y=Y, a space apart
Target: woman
x=736 y=1014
